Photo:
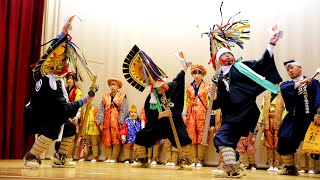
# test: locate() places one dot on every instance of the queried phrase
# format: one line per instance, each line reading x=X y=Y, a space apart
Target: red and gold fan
x=140 y=71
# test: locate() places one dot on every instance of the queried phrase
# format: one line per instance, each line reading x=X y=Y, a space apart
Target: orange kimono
x=196 y=107
x=112 y=112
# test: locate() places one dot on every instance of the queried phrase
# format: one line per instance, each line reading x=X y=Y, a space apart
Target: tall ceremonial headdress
x=222 y=38
x=227 y=35
x=140 y=71
x=60 y=52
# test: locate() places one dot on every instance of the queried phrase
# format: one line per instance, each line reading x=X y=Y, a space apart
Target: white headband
x=222 y=51
x=294 y=63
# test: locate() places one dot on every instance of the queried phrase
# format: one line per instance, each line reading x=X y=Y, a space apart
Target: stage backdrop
x=109 y=29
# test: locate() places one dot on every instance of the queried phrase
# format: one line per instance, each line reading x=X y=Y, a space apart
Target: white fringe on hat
x=222 y=51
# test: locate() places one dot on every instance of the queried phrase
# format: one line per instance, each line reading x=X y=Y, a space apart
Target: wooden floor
x=12 y=169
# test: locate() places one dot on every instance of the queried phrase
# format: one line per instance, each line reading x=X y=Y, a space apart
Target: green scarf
x=157 y=105
x=255 y=77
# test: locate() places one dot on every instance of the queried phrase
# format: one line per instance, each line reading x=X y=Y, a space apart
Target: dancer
x=301 y=96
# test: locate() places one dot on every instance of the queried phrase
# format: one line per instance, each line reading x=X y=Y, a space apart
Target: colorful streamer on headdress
x=227 y=35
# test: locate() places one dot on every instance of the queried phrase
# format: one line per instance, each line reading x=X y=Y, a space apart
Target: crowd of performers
x=283 y=118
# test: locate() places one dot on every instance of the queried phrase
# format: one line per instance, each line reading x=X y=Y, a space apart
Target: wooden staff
x=91 y=93
x=208 y=116
x=175 y=134
x=213 y=51
x=317 y=72
x=88 y=107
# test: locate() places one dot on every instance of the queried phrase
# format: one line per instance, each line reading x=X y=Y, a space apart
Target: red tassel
x=213 y=61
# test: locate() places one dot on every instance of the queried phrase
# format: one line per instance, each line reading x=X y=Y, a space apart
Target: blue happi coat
x=300 y=113
x=132 y=129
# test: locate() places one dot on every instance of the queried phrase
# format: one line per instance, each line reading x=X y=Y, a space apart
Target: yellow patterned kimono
x=91 y=127
x=112 y=114
x=92 y=133
x=196 y=107
x=272 y=113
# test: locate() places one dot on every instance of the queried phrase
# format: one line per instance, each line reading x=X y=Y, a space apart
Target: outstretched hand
x=274 y=38
x=67 y=25
x=185 y=67
x=89 y=99
x=66 y=28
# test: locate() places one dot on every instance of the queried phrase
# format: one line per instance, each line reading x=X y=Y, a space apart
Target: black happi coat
x=48 y=110
x=294 y=126
x=239 y=104
x=160 y=128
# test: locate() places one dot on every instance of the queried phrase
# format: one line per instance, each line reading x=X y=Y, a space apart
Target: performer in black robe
x=48 y=109
x=158 y=125
x=236 y=96
x=301 y=96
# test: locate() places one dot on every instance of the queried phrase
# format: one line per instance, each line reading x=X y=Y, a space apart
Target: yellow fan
x=50 y=60
x=133 y=71
x=140 y=71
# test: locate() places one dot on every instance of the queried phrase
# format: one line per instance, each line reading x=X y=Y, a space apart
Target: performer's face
x=133 y=115
x=294 y=71
x=197 y=75
x=114 y=86
x=70 y=81
x=226 y=59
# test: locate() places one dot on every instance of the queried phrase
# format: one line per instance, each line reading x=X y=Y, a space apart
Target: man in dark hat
x=302 y=101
